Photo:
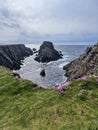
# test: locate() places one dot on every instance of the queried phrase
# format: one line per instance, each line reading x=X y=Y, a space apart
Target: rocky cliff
x=47 y=53
x=11 y=55
x=86 y=64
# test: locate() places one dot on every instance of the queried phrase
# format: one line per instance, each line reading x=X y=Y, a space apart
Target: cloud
x=38 y=20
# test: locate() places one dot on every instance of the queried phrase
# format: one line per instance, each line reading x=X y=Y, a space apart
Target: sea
x=31 y=69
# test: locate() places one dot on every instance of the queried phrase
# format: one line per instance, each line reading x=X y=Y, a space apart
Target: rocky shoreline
x=12 y=55
x=86 y=64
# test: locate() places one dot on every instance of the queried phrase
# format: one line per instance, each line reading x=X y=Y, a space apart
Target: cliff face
x=11 y=55
x=86 y=64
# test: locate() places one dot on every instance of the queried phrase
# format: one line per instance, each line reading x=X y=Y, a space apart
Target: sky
x=33 y=21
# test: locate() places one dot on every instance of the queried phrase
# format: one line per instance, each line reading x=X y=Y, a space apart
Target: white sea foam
x=54 y=70
x=62 y=64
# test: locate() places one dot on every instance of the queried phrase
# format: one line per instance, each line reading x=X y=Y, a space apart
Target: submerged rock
x=42 y=73
x=47 y=53
x=86 y=64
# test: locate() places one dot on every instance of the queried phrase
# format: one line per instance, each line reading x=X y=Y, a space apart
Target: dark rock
x=88 y=50
x=86 y=64
x=42 y=73
x=47 y=53
x=60 y=53
x=34 y=50
x=12 y=55
x=16 y=75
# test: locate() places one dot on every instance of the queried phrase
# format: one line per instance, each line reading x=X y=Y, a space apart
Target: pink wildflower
x=78 y=79
x=61 y=87
x=94 y=75
x=83 y=78
x=96 y=80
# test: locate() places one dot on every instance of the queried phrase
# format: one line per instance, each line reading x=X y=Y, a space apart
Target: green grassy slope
x=22 y=107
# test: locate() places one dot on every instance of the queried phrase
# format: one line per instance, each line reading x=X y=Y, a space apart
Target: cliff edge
x=86 y=64
x=11 y=55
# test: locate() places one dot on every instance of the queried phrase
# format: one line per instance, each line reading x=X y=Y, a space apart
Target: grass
x=22 y=107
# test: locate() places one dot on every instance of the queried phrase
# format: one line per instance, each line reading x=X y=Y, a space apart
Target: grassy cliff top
x=23 y=106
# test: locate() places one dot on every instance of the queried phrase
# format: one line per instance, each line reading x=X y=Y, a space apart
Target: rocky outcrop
x=47 y=53
x=42 y=73
x=86 y=64
x=34 y=50
x=11 y=55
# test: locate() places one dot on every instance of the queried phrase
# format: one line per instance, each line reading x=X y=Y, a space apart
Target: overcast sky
x=31 y=21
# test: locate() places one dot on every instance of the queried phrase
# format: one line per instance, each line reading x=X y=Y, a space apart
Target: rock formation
x=86 y=64
x=11 y=55
x=42 y=73
x=34 y=50
x=47 y=53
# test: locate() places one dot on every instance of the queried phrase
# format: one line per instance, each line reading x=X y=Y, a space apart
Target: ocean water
x=54 y=70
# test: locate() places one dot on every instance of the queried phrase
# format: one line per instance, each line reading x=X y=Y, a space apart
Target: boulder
x=34 y=50
x=86 y=64
x=47 y=53
x=42 y=73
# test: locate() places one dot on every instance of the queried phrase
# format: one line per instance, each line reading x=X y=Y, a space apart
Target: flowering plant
x=62 y=86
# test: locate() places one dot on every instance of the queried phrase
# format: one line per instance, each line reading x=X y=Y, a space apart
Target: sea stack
x=86 y=64
x=47 y=53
